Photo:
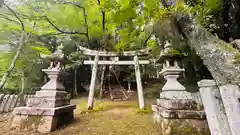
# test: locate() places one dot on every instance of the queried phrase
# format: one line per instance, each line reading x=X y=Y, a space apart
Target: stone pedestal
x=175 y=116
x=176 y=113
x=49 y=109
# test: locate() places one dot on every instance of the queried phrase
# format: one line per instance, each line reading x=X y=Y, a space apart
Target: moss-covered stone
x=31 y=122
x=183 y=127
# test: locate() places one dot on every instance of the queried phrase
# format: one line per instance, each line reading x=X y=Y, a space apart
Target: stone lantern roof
x=58 y=56
x=170 y=54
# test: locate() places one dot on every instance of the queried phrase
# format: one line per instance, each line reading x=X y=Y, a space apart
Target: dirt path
x=110 y=118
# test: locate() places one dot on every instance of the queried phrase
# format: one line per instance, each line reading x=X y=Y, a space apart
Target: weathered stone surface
x=176 y=109
x=231 y=100
x=175 y=94
x=214 y=108
x=178 y=114
x=47 y=110
x=172 y=88
x=4 y=102
x=218 y=56
x=1 y=98
x=10 y=100
x=197 y=97
x=42 y=123
x=92 y=84
x=139 y=83
x=19 y=101
x=179 y=104
x=181 y=126
x=47 y=102
x=54 y=83
x=25 y=99
x=14 y=102
x=171 y=74
x=43 y=111
x=50 y=93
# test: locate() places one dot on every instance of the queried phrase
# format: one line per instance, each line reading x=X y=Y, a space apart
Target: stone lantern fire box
x=50 y=107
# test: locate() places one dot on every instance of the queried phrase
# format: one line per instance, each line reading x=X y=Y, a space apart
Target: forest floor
x=108 y=118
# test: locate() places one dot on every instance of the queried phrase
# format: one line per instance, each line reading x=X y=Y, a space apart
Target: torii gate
x=96 y=62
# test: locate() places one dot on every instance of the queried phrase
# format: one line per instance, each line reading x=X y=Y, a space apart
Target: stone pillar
x=1 y=97
x=93 y=82
x=14 y=103
x=4 y=102
x=48 y=109
x=213 y=106
x=231 y=100
x=139 y=83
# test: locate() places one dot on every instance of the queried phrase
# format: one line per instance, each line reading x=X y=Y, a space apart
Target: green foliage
x=113 y=25
x=175 y=52
x=208 y=13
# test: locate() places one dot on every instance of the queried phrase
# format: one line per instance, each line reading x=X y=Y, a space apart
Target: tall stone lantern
x=50 y=107
x=176 y=109
x=170 y=60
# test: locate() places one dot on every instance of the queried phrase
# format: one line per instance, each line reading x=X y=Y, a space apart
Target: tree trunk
x=226 y=20
x=21 y=94
x=14 y=60
x=218 y=56
x=23 y=82
x=75 y=82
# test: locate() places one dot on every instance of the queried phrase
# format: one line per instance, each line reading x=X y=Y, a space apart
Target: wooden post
x=92 y=85
x=139 y=83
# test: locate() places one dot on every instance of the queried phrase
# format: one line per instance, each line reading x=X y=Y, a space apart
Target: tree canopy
x=30 y=29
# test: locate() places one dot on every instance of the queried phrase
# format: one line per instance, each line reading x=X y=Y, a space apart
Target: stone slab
x=181 y=126
x=50 y=93
x=47 y=102
x=43 y=111
x=175 y=95
x=43 y=124
x=179 y=104
x=214 y=108
x=231 y=100
x=178 y=114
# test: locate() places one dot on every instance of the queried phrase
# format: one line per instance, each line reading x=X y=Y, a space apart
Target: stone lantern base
x=45 y=112
x=42 y=119
x=48 y=109
x=180 y=117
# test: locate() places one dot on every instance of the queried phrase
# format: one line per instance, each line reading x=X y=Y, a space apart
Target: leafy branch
x=15 y=14
x=61 y=31
x=7 y=18
x=84 y=15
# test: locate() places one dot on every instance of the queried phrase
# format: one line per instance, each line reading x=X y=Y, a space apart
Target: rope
x=122 y=88
x=109 y=85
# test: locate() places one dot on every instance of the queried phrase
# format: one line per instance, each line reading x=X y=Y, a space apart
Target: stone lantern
x=50 y=107
x=176 y=108
x=170 y=60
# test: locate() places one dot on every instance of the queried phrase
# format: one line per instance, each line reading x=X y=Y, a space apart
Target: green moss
x=175 y=52
x=31 y=120
x=144 y=111
x=226 y=46
x=237 y=58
